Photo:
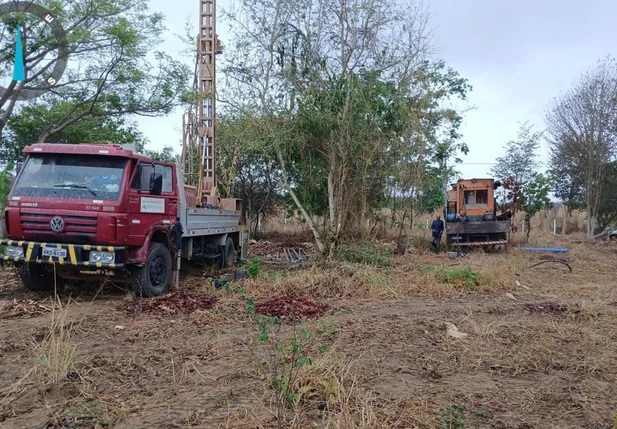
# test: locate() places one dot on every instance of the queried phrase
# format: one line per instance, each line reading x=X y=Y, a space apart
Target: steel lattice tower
x=198 y=153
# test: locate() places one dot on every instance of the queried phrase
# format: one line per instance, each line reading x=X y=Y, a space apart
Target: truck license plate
x=55 y=252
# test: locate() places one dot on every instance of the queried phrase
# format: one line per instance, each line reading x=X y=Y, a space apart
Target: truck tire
x=154 y=277
x=38 y=278
x=228 y=254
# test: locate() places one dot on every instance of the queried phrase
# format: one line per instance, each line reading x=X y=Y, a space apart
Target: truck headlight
x=13 y=251
x=104 y=257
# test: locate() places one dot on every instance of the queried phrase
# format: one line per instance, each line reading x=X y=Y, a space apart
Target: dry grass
x=54 y=357
x=540 y=350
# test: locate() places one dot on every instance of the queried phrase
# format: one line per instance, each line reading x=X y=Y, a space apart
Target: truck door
x=145 y=209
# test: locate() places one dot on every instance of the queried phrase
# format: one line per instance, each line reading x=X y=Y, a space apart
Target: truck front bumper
x=77 y=255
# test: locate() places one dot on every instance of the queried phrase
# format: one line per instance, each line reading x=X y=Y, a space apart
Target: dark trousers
x=436 y=239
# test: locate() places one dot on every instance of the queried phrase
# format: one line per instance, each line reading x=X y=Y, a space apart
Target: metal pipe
x=543 y=249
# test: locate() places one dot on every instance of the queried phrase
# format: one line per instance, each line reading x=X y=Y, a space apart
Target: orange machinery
x=471 y=215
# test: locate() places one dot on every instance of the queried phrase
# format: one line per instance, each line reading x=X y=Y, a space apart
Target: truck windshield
x=71 y=176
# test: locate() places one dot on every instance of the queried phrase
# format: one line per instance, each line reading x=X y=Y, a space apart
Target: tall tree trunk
x=309 y=221
x=332 y=208
x=591 y=225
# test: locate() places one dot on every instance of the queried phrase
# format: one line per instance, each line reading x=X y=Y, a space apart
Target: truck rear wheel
x=228 y=254
x=154 y=277
x=39 y=277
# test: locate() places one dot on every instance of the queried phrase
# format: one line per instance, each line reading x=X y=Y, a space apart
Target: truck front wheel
x=39 y=277
x=154 y=277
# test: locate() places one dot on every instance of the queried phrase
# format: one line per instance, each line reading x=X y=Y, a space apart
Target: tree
x=246 y=168
x=569 y=190
x=582 y=129
x=108 y=74
x=166 y=154
x=30 y=121
x=342 y=91
x=534 y=197
x=519 y=161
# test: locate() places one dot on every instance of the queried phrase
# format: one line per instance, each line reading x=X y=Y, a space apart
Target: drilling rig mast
x=198 y=125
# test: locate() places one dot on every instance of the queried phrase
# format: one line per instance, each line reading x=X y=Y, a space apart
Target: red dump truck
x=91 y=211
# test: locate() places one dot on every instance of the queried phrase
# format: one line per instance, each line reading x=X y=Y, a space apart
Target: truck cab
x=97 y=210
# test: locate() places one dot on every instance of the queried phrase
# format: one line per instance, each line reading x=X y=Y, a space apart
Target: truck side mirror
x=156 y=183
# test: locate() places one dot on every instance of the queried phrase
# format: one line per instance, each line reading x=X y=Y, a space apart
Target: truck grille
x=83 y=227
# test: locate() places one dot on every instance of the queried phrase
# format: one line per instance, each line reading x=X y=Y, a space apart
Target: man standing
x=437 y=230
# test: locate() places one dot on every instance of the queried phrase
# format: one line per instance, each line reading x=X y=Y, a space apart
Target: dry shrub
x=333 y=385
x=338 y=280
x=413 y=276
x=54 y=357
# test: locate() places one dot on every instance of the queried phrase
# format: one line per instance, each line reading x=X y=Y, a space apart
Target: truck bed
x=201 y=221
x=482 y=227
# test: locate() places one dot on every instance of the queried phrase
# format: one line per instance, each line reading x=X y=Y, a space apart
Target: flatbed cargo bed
x=478 y=227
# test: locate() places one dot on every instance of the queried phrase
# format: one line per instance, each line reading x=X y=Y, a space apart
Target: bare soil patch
x=538 y=350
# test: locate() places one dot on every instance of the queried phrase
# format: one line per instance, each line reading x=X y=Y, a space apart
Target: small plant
x=285 y=360
x=453 y=417
x=367 y=254
x=375 y=279
x=465 y=277
x=253 y=267
x=83 y=412
x=273 y=276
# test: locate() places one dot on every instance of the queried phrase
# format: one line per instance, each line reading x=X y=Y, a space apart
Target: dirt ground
x=485 y=341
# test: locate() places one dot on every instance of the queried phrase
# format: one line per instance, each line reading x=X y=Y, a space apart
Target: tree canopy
x=582 y=135
x=113 y=68
x=349 y=103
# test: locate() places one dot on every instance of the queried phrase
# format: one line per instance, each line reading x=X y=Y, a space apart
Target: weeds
x=465 y=277
x=367 y=254
x=253 y=267
x=453 y=417
x=83 y=412
x=54 y=357
x=285 y=359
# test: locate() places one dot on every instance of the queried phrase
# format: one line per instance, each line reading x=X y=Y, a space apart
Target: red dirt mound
x=288 y=308
x=173 y=304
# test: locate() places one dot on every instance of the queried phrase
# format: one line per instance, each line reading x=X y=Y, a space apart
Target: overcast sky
x=516 y=55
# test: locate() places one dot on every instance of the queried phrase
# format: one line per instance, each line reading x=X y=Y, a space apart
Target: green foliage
x=247 y=167
x=32 y=120
x=580 y=152
x=253 y=267
x=110 y=72
x=453 y=417
x=464 y=277
x=6 y=179
x=535 y=197
x=365 y=253
x=167 y=154
x=520 y=159
x=284 y=360
x=524 y=189
x=351 y=133
x=569 y=189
